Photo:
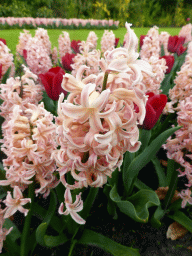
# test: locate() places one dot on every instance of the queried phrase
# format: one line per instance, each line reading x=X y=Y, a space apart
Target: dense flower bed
x=55 y=23
x=76 y=119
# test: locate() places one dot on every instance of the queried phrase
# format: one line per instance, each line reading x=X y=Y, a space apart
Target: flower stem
x=72 y=247
x=26 y=229
x=105 y=81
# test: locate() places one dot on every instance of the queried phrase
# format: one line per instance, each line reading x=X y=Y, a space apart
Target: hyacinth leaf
x=130 y=173
x=182 y=219
x=175 y=206
x=11 y=247
x=10 y=242
x=41 y=230
x=90 y=237
x=170 y=169
x=136 y=207
x=55 y=222
x=140 y=185
x=6 y=75
x=40 y=233
x=155 y=219
x=53 y=241
x=172 y=187
x=111 y=207
x=160 y=172
x=15 y=233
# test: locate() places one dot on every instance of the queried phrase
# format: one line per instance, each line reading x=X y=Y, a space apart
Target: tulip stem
x=105 y=81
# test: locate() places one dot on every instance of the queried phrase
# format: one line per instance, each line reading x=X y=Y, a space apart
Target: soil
x=149 y=240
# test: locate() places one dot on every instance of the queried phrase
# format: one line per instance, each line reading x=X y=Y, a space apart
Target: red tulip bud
x=52 y=82
x=154 y=107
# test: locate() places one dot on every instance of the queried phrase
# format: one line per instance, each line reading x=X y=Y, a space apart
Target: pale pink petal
x=67 y=196
x=87 y=90
x=77 y=218
x=102 y=100
x=72 y=110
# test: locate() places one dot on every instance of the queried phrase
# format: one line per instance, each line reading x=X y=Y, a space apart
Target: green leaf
x=140 y=185
x=182 y=219
x=130 y=173
x=11 y=245
x=41 y=230
x=136 y=207
x=144 y=137
x=172 y=187
x=15 y=233
x=170 y=169
x=6 y=75
x=40 y=213
x=40 y=233
x=53 y=241
x=160 y=172
x=48 y=103
x=158 y=214
x=90 y=237
x=162 y=50
x=175 y=206
x=111 y=207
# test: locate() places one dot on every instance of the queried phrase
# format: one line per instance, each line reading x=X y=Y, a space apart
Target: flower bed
x=80 y=124
x=56 y=23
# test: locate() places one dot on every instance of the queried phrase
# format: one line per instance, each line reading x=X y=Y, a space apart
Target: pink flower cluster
x=6 y=60
x=179 y=147
x=151 y=44
x=64 y=44
x=28 y=135
x=92 y=38
x=36 y=50
x=97 y=123
x=186 y=31
x=55 y=21
x=183 y=80
x=88 y=56
x=150 y=52
x=107 y=41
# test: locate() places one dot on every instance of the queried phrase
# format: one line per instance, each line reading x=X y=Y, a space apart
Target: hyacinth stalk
x=27 y=223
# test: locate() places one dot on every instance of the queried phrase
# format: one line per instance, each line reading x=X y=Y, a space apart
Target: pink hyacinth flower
x=72 y=208
x=15 y=203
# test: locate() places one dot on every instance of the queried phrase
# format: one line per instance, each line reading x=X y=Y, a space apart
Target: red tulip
x=3 y=40
x=67 y=60
x=52 y=82
x=175 y=44
x=154 y=107
x=169 y=62
x=25 y=54
x=181 y=49
x=141 y=40
x=75 y=45
x=116 y=42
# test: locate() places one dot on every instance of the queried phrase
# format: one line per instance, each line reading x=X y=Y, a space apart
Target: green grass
x=12 y=36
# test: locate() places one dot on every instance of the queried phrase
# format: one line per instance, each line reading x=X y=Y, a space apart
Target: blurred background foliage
x=141 y=13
